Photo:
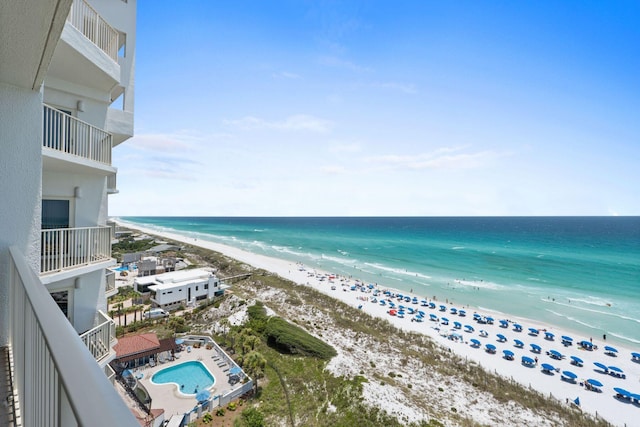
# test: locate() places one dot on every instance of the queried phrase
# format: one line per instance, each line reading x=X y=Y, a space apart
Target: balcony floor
x=6 y=402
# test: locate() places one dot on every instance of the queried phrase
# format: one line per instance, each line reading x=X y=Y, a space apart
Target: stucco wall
x=20 y=183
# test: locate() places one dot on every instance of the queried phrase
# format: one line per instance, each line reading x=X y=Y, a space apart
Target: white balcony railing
x=68 y=134
x=64 y=248
x=98 y=340
x=110 y=282
x=57 y=381
x=86 y=20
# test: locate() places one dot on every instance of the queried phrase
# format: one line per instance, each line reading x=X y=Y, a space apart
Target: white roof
x=176 y=278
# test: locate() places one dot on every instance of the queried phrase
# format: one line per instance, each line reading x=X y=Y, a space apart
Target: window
x=62 y=299
x=55 y=214
x=206 y=286
x=196 y=288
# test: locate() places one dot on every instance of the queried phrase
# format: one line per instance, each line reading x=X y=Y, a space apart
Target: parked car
x=155 y=313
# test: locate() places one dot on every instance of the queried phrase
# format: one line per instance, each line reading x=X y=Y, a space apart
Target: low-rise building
x=185 y=287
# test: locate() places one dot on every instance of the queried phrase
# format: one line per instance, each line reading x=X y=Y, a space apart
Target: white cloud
x=298 y=122
x=442 y=158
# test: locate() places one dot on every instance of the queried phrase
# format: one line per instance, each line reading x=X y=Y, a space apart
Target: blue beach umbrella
x=432 y=305
x=616 y=369
x=610 y=350
x=555 y=354
x=567 y=339
x=517 y=327
x=533 y=331
x=504 y=323
x=622 y=391
x=527 y=361
x=490 y=320
x=462 y=313
x=569 y=374
x=433 y=316
x=443 y=308
x=501 y=337
x=235 y=370
x=474 y=342
x=424 y=303
x=491 y=348
x=453 y=310
x=444 y=320
x=476 y=316
x=203 y=395
x=535 y=348
x=549 y=336
x=548 y=367
x=575 y=360
x=635 y=356
x=594 y=383
x=468 y=328
x=457 y=325
x=508 y=354
x=602 y=366
x=179 y=341
x=518 y=343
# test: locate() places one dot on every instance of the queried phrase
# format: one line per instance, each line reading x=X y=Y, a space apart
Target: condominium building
x=66 y=100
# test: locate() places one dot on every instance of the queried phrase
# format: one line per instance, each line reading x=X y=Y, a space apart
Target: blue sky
x=295 y=108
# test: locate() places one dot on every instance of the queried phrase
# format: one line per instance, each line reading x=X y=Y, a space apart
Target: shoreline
x=602 y=404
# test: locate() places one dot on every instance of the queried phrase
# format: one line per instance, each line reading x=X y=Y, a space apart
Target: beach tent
x=518 y=343
x=527 y=361
x=453 y=310
x=393 y=312
x=546 y=367
x=476 y=316
x=489 y=320
x=474 y=342
x=587 y=345
x=577 y=401
x=490 y=348
x=611 y=351
x=484 y=333
x=457 y=325
x=504 y=323
x=468 y=328
x=575 y=360
x=555 y=354
x=444 y=320
x=501 y=338
x=443 y=308
x=635 y=357
x=549 y=336
x=432 y=305
x=462 y=313
x=535 y=348
x=383 y=302
x=508 y=354
x=433 y=317
x=602 y=366
x=517 y=327
x=567 y=340
x=533 y=331
x=568 y=376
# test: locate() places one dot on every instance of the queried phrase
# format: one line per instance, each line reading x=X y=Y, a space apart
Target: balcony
x=67 y=134
x=86 y=20
x=56 y=380
x=112 y=185
x=110 y=284
x=65 y=248
x=99 y=339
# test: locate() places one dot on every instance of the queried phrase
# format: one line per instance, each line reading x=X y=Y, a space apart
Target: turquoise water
x=190 y=377
x=581 y=273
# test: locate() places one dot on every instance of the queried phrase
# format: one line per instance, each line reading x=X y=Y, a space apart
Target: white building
x=185 y=287
x=66 y=99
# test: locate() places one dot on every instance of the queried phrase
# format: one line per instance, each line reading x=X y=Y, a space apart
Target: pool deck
x=167 y=396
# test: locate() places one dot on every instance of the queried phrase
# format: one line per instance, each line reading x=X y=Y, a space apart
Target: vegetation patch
x=291 y=339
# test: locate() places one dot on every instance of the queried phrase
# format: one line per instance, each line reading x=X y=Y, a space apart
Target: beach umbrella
x=484 y=333
x=203 y=395
x=635 y=356
x=576 y=360
x=462 y=313
x=504 y=323
x=444 y=320
x=527 y=360
x=622 y=391
x=519 y=343
x=635 y=396
x=433 y=316
x=432 y=305
x=555 y=354
x=577 y=401
x=127 y=373
x=489 y=320
x=235 y=370
x=611 y=350
x=594 y=383
x=533 y=331
x=569 y=374
x=443 y=308
x=601 y=366
x=475 y=342
x=491 y=348
x=616 y=369
x=453 y=310
x=535 y=347
x=476 y=316
x=457 y=325
x=179 y=341
x=567 y=339
x=423 y=303
x=508 y=354
x=517 y=327
x=468 y=328
x=401 y=307
x=501 y=338
x=548 y=367
x=549 y=335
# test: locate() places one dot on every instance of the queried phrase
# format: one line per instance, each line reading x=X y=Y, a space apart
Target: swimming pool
x=190 y=377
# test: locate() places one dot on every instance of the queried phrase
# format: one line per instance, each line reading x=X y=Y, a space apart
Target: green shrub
x=291 y=339
x=252 y=418
x=232 y=406
x=220 y=412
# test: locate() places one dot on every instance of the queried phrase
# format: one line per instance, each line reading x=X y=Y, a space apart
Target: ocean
x=578 y=273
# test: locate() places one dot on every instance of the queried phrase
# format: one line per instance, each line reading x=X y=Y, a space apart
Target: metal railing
x=64 y=248
x=57 y=381
x=86 y=20
x=98 y=340
x=63 y=132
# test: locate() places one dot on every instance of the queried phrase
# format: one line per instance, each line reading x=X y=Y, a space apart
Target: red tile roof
x=136 y=344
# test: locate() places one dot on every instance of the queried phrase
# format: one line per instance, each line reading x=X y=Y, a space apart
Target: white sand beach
x=619 y=412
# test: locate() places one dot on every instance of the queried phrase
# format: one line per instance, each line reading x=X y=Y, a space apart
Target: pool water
x=190 y=377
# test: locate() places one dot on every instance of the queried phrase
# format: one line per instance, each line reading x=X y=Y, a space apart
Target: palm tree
x=254 y=364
